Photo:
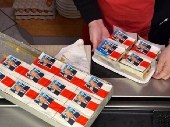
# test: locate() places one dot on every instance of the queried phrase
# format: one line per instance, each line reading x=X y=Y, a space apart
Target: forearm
x=89 y=10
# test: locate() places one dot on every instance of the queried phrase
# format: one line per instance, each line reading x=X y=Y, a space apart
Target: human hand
x=97 y=32
x=163 y=67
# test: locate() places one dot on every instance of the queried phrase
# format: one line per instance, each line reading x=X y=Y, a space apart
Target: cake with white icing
x=111 y=50
x=6 y=80
x=48 y=63
x=146 y=48
x=36 y=76
x=45 y=104
x=22 y=91
x=136 y=65
x=84 y=102
x=71 y=117
x=14 y=66
x=59 y=90
x=123 y=39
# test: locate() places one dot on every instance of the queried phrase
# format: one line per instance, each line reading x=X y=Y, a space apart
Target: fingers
x=159 y=69
x=95 y=39
x=97 y=32
x=167 y=77
x=95 y=45
x=160 y=66
x=161 y=75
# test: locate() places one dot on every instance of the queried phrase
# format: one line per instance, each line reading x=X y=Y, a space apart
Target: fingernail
x=156 y=72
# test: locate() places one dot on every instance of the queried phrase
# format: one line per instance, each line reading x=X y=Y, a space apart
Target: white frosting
x=49 y=112
x=60 y=97
x=131 y=39
x=139 y=68
x=3 y=87
x=57 y=63
x=105 y=86
x=63 y=81
x=91 y=94
x=23 y=99
x=29 y=81
x=79 y=74
x=47 y=74
x=153 y=49
x=5 y=69
x=86 y=111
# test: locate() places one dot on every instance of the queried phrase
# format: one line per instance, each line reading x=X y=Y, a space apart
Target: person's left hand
x=163 y=67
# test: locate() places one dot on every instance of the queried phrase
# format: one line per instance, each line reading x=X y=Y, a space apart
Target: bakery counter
x=137 y=102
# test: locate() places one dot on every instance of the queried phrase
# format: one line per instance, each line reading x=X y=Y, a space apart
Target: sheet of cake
x=63 y=97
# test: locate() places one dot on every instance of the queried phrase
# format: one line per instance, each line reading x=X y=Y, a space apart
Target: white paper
x=75 y=55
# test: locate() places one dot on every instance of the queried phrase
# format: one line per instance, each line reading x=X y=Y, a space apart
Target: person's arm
x=163 y=67
x=91 y=14
x=89 y=10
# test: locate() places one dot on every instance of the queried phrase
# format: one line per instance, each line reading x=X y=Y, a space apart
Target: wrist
x=98 y=22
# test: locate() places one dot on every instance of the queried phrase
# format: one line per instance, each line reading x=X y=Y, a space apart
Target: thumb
x=159 y=67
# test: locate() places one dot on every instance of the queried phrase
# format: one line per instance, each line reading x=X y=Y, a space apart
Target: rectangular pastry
x=69 y=116
x=22 y=91
x=59 y=90
x=111 y=50
x=45 y=104
x=14 y=66
x=83 y=102
x=147 y=49
x=136 y=65
x=123 y=39
x=6 y=80
x=95 y=87
x=37 y=77
x=48 y=63
x=71 y=75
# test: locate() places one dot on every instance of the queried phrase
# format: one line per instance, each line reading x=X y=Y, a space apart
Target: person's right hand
x=97 y=32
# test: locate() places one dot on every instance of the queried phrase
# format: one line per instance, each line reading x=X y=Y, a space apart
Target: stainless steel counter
x=129 y=95
x=17 y=117
x=124 y=87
